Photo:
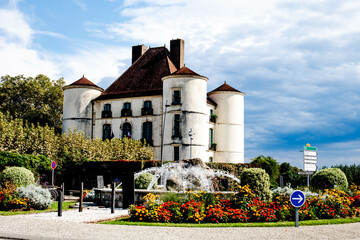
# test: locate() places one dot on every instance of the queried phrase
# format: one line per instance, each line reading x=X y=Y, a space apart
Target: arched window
x=147 y=109
x=107 y=107
x=126 y=130
x=147 y=104
x=147 y=132
x=106 y=113
x=127 y=105
x=126 y=111
x=107 y=132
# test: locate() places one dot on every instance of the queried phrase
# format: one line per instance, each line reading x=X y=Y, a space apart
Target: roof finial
x=224 y=82
x=83 y=75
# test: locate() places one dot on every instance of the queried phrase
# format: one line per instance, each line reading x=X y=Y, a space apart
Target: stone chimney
x=177 y=52
x=137 y=51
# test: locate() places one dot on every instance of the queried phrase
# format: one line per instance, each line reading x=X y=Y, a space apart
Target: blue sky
x=297 y=61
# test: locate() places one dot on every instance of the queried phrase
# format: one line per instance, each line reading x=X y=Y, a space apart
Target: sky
x=298 y=62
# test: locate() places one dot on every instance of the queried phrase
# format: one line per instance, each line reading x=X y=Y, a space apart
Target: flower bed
x=201 y=207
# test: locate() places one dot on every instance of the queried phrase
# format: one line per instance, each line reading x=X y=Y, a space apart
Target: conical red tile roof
x=225 y=87
x=185 y=71
x=83 y=81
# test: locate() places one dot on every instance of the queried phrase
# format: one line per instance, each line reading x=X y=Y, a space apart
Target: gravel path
x=72 y=226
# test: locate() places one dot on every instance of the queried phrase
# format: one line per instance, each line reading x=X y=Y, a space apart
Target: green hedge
x=35 y=164
x=259 y=181
x=329 y=178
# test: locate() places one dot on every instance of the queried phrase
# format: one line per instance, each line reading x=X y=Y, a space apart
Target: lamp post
x=191 y=135
x=162 y=138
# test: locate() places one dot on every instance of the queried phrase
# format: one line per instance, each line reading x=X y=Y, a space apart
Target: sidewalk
x=72 y=226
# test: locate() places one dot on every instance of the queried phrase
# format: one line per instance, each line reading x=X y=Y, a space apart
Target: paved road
x=21 y=227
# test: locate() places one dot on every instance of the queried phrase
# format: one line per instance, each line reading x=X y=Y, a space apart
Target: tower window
x=126 y=131
x=107 y=132
x=176 y=153
x=177 y=130
x=176 y=97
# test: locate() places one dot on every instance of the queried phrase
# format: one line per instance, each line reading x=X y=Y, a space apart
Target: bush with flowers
x=9 y=197
x=245 y=206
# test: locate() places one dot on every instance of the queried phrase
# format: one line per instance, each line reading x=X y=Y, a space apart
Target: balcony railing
x=126 y=113
x=146 y=111
x=106 y=114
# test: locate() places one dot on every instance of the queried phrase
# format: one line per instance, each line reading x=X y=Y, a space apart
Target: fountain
x=185 y=175
x=179 y=176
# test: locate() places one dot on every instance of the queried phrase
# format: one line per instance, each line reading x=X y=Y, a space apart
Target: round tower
x=77 y=106
x=229 y=127
x=184 y=108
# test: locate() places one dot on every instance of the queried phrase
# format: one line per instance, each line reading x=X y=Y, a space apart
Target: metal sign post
x=191 y=135
x=310 y=161
x=53 y=166
x=297 y=199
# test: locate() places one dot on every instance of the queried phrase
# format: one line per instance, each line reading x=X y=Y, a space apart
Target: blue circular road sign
x=297 y=198
x=53 y=164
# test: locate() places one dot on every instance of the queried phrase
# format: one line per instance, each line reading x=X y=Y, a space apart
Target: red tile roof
x=225 y=87
x=185 y=71
x=143 y=78
x=84 y=81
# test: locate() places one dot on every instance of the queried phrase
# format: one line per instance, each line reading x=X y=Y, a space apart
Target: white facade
x=229 y=127
x=193 y=115
x=77 y=111
x=156 y=98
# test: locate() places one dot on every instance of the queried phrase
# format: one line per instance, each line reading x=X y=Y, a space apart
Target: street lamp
x=191 y=135
x=162 y=137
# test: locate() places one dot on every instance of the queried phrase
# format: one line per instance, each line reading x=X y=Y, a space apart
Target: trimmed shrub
x=259 y=181
x=37 y=197
x=143 y=181
x=329 y=178
x=17 y=175
x=35 y=164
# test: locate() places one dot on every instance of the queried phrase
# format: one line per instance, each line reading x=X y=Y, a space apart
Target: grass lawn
x=53 y=207
x=126 y=221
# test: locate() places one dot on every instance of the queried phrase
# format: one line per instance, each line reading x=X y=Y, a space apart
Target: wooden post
x=61 y=199
x=113 y=188
x=81 y=197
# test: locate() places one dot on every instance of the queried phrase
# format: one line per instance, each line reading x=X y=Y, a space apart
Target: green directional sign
x=310 y=148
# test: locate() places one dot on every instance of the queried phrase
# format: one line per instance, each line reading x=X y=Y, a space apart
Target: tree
x=270 y=165
x=36 y=100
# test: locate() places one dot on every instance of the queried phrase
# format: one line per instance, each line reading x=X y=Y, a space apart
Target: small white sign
x=310 y=153
x=309 y=167
x=310 y=161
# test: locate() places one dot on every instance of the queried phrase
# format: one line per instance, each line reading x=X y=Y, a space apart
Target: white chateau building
x=160 y=100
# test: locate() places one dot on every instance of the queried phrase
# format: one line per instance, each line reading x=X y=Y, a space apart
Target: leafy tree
x=36 y=100
x=270 y=165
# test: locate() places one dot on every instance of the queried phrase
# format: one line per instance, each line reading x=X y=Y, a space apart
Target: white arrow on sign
x=299 y=198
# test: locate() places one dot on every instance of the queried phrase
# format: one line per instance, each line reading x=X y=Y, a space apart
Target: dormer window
x=147 y=109
x=126 y=111
x=106 y=113
x=176 y=97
